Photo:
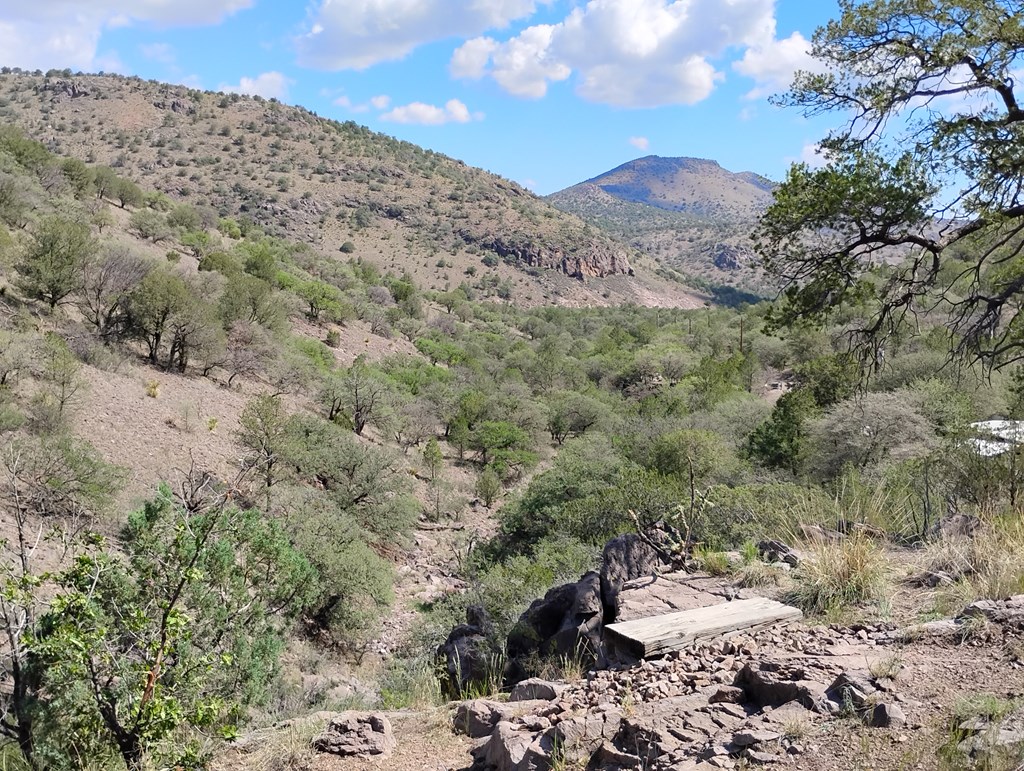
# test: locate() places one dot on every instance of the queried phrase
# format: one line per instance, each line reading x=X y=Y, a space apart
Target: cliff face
x=582 y=260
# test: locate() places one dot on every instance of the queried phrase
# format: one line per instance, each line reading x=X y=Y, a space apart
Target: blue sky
x=545 y=92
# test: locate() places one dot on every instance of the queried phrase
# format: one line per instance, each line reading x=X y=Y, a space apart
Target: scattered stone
x=763 y=758
x=360 y=734
x=608 y=757
x=851 y=688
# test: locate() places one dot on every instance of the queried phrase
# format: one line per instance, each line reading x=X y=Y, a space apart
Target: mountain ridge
x=334 y=186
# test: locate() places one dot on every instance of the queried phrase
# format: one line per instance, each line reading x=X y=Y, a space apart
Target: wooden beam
x=657 y=635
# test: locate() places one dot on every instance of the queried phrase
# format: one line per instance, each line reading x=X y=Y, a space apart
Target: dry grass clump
x=834 y=577
x=989 y=565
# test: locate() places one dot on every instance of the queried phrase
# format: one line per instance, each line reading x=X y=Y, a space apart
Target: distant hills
x=689 y=214
x=339 y=188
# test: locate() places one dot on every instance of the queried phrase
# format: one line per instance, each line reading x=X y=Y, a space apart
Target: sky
x=545 y=92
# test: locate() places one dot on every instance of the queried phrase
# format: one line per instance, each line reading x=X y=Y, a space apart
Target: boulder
x=852 y=689
x=477 y=717
x=360 y=734
x=819 y=534
x=997 y=738
x=1009 y=612
x=536 y=689
x=511 y=748
x=566 y=622
x=956 y=526
x=468 y=653
x=886 y=715
x=772 y=550
x=625 y=557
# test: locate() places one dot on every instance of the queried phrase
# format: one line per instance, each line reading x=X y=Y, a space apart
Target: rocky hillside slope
x=335 y=186
x=690 y=214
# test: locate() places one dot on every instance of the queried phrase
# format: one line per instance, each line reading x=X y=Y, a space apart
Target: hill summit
x=692 y=185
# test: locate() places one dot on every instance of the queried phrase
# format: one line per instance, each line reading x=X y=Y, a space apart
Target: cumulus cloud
x=640 y=143
x=66 y=33
x=772 y=64
x=423 y=114
x=812 y=155
x=381 y=102
x=626 y=53
x=355 y=34
x=269 y=85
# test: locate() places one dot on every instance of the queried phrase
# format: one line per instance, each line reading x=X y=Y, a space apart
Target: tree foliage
x=919 y=208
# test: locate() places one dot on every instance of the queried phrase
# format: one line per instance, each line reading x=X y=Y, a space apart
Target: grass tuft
x=835 y=577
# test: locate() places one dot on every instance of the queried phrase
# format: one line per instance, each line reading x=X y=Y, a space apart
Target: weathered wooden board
x=657 y=635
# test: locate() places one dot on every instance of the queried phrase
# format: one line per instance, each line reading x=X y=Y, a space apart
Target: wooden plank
x=657 y=635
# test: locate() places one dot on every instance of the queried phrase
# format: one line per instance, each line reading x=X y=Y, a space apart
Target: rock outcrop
x=749 y=700
x=592 y=260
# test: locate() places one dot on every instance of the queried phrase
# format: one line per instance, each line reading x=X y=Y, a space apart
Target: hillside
x=689 y=214
x=333 y=186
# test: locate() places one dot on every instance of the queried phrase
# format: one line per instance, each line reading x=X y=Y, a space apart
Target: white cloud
x=773 y=63
x=381 y=102
x=66 y=33
x=626 y=53
x=812 y=155
x=355 y=34
x=159 y=52
x=269 y=85
x=422 y=114
x=640 y=143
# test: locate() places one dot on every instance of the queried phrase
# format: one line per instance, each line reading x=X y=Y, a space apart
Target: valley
x=320 y=450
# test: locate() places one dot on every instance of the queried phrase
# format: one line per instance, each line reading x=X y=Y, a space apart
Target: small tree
x=107 y=281
x=265 y=433
x=51 y=264
x=358 y=393
x=488 y=486
x=433 y=460
x=184 y=630
x=160 y=296
x=128 y=193
x=62 y=383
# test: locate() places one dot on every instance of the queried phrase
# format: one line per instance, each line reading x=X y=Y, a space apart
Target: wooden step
x=657 y=635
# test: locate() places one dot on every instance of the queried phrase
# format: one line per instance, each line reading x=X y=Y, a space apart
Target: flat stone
x=751 y=737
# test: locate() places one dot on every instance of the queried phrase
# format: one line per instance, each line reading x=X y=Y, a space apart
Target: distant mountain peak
x=697 y=186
